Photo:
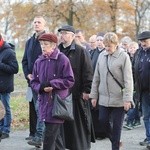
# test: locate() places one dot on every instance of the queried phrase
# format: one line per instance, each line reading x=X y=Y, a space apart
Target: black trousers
x=111 y=119
x=32 y=119
x=52 y=138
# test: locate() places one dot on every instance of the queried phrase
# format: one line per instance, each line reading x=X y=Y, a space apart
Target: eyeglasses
x=65 y=32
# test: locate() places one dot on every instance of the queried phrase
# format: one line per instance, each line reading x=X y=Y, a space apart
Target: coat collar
x=72 y=45
x=116 y=53
x=54 y=55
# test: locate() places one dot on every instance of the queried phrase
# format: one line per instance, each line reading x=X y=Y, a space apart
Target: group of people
x=101 y=78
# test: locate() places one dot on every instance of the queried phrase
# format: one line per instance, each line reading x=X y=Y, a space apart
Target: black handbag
x=63 y=108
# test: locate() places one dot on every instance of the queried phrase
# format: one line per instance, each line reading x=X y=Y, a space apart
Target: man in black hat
x=78 y=132
x=141 y=69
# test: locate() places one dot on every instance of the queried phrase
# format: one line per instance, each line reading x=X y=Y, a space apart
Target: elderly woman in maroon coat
x=52 y=73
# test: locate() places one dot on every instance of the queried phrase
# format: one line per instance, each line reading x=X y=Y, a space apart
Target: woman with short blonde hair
x=112 y=87
x=111 y=37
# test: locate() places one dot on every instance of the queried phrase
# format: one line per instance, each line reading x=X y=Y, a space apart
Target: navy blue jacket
x=32 y=51
x=8 y=67
x=94 y=56
x=141 y=71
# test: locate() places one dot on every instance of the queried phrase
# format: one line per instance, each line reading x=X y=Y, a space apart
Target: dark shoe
x=137 y=124
x=37 y=142
x=144 y=143
x=100 y=138
x=29 y=138
x=128 y=126
x=0 y=135
x=4 y=135
x=148 y=147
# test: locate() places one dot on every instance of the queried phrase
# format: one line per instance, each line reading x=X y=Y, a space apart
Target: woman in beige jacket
x=112 y=96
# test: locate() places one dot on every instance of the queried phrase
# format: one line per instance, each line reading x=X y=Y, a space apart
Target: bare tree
x=141 y=10
x=113 y=4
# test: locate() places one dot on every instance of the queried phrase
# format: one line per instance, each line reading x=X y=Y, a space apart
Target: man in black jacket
x=78 y=133
x=32 y=51
x=141 y=70
x=8 y=67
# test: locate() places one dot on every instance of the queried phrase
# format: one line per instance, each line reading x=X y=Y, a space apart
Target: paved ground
x=130 y=139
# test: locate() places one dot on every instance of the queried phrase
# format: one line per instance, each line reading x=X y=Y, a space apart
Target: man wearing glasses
x=78 y=132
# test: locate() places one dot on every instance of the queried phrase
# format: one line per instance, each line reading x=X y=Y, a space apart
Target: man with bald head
x=32 y=51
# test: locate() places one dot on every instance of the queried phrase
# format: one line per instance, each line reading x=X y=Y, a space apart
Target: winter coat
x=104 y=87
x=79 y=133
x=138 y=74
x=8 y=67
x=57 y=72
x=32 y=52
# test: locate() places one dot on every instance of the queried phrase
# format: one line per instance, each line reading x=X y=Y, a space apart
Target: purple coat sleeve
x=66 y=79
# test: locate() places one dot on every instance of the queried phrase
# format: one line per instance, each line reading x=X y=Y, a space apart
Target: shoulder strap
x=113 y=75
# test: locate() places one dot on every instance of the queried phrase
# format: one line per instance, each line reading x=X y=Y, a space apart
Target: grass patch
x=20 y=112
x=19 y=106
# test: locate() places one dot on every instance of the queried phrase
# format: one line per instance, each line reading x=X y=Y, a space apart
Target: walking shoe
x=0 y=135
x=37 y=142
x=148 y=146
x=4 y=135
x=128 y=126
x=29 y=138
x=137 y=124
x=144 y=143
x=100 y=138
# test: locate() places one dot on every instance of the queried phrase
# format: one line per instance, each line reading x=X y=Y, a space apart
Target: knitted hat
x=48 y=37
x=144 y=35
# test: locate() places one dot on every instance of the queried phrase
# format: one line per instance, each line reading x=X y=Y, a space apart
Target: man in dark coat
x=8 y=67
x=141 y=70
x=78 y=133
x=32 y=52
x=98 y=128
x=95 y=52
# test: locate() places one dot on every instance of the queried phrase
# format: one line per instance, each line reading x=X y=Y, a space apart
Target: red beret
x=48 y=37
